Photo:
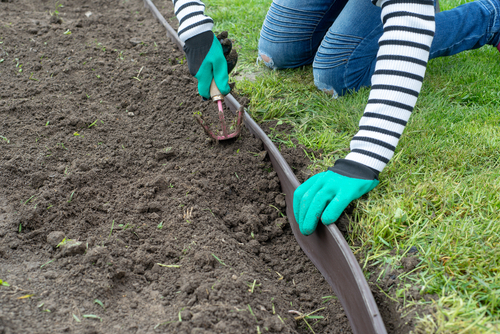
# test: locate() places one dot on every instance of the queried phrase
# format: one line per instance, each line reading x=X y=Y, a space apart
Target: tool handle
x=215 y=94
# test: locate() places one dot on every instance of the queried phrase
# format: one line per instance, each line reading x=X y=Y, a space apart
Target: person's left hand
x=325 y=195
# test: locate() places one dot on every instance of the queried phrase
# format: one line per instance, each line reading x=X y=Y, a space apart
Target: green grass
x=243 y=20
x=439 y=193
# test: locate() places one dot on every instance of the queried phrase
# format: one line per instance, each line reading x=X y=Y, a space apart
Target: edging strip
x=326 y=248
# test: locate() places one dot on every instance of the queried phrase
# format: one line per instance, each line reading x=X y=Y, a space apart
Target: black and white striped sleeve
x=401 y=63
x=192 y=18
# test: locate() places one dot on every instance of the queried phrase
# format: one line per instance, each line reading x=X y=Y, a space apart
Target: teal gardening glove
x=206 y=61
x=327 y=194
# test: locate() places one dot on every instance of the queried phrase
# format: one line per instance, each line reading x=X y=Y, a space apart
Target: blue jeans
x=342 y=44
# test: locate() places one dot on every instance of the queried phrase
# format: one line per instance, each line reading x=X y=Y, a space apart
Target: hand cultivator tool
x=222 y=135
x=215 y=94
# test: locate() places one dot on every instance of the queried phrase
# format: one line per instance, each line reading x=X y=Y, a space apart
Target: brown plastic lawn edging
x=326 y=247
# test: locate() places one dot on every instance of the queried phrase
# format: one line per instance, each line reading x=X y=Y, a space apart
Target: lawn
x=439 y=193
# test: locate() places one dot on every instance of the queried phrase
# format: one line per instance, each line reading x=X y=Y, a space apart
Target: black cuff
x=196 y=49
x=200 y=39
x=354 y=169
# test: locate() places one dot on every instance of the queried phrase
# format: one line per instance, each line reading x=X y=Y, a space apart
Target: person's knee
x=327 y=89
x=267 y=60
x=338 y=81
x=324 y=83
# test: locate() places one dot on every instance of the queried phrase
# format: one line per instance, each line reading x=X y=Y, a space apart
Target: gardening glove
x=327 y=194
x=206 y=61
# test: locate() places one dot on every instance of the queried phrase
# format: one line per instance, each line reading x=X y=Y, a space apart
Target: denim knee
x=288 y=38
x=333 y=81
x=346 y=56
x=282 y=55
x=330 y=66
x=267 y=59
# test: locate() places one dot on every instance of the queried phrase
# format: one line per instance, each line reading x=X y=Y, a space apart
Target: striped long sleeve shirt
x=401 y=63
x=192 y=18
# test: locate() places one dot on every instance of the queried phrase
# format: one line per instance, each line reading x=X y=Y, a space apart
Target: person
x=384 y=44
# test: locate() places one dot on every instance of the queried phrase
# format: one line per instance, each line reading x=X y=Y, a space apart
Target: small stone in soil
x=72 y=247
x=412 y=250
x=160 y=155
x=54 y=238
x=135 y=40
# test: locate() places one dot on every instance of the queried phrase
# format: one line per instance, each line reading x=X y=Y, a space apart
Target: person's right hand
x=325 y=195
x=206 y=62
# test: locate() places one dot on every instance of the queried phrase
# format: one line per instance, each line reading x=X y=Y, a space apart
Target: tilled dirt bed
x=117 y=214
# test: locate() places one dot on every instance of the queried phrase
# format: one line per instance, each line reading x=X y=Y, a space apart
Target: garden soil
x=117 y=213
